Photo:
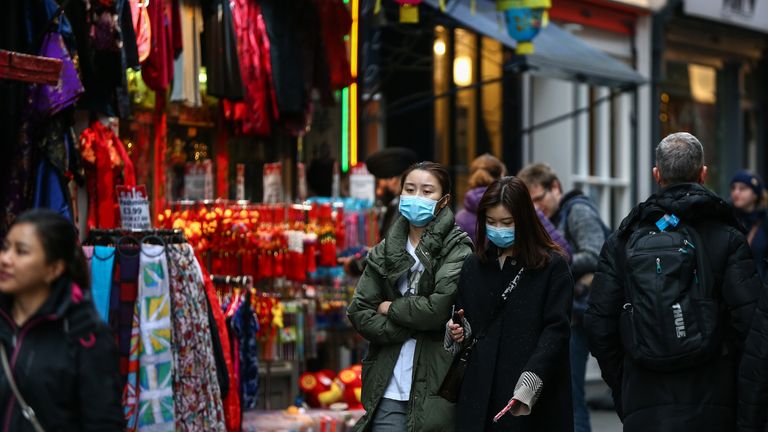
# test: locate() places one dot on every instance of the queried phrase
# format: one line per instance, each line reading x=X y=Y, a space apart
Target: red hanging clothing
x=157 y=69
x=106 y=166
x=232 y=412
x=260 y=104
x=335 y=23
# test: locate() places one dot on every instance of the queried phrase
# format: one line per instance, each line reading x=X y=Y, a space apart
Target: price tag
x=134 y=207
x=362 y=184
x=273 y=183
x=198 y=180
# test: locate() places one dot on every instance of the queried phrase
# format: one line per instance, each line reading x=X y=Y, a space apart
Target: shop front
x=710 y=69
x=199 y=147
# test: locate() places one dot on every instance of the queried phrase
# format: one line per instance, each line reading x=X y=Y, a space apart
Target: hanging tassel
x=442 y=5
x=545 y=19
x=473 y=7
x=377 y=7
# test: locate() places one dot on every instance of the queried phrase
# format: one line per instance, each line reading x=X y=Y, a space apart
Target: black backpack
x=670 y=320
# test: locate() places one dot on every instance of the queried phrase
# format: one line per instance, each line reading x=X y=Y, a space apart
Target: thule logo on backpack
x=679 y=323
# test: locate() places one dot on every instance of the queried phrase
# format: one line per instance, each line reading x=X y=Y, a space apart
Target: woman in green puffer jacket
x=402 y=303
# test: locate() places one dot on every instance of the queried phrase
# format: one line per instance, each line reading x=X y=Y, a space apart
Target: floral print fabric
x=195 y=384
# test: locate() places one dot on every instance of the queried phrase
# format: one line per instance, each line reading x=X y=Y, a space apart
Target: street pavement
x=602 y=420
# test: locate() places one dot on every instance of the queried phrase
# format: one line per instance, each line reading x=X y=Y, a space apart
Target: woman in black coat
x=524 y=352
x=61 y=356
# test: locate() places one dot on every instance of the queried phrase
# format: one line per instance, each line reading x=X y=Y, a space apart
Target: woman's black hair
x=60 y=242
x=533 y=243
x=441 y=174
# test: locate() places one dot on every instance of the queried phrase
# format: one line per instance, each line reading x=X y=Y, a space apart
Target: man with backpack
x=577 y=217
x=672 y=301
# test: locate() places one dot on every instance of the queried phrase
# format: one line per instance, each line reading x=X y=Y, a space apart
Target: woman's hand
x=384 y=308
x=456 y=329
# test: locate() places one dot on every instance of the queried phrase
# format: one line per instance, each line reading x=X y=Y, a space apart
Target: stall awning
x=558 y=54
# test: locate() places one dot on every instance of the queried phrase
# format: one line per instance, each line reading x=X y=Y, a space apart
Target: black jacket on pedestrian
x=64 y=362
x=530 y=334
x=703 y=398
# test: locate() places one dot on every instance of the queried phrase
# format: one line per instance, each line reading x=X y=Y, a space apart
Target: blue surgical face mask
x=418 y=210
x=503 y=237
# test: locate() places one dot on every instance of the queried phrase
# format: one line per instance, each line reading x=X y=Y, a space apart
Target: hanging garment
x=106 y=165
x=51 y=99
x=157 y=69
x=88 y=253
x=253 y=47
x=232 y=411
x=298 y=60
x=122 y=313
x=245 y=326
x=186 y=73
x=101 y=278
x=156 y=405
x=104 y=25
x=141 y=28
x=197 y=394
x=101 y=70
x=128 y=31
x=50 y=192
x=131 y=389
x=220 y=55
x=335 y=24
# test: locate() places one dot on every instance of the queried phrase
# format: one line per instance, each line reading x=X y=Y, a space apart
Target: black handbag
x=449 y=389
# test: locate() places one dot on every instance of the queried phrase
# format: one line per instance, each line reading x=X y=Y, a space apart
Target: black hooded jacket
x=64 y=362
x=703 y=398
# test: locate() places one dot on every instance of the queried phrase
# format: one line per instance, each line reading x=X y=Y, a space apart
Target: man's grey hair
x=679 y=158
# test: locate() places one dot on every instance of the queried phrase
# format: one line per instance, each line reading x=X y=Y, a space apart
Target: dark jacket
x=530 y=335
x=466 y=219
x=697 y=399
x=759 y=246
x=64 y=362
x=579 y=219
x=422 y=316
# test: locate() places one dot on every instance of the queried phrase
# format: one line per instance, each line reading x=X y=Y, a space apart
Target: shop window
x=491 y=70
x=467 y=78
x=689 y=103
x=465 y=75
x=602 y=154
x=441 y=74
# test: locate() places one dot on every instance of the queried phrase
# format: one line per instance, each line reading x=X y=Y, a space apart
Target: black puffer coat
x=698 y=399
x=64 y=362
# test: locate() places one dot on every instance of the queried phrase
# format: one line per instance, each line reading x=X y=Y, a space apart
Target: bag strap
x=26 y=410
x=499 y=306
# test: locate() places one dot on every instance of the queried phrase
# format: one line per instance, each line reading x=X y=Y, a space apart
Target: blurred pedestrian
x=748 y=198
x=483 y=171
x=515 y=297
x=57 y=353
x=387 y=166
x=576 y=216
x=402 y=302
x=672 y=302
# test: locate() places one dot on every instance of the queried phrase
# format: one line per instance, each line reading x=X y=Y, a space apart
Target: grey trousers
x=390 y=416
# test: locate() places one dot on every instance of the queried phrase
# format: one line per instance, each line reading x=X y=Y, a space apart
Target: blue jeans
x=579 y=357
